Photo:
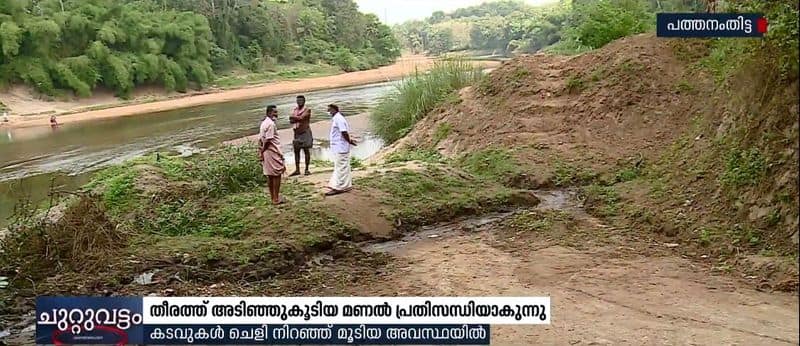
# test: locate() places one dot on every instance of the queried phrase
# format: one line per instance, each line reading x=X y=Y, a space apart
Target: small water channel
x=556 y=199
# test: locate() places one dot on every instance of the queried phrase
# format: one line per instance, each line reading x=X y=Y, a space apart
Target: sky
x=398 y=11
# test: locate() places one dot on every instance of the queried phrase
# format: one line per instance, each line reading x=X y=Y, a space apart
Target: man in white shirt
x=341 y=180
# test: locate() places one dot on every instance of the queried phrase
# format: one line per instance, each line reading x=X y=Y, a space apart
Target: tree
x=77 y=45
x=436 y=17
x=440 y=40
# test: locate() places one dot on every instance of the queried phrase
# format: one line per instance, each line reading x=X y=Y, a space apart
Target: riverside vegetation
x=512 y=26
x=62 y=47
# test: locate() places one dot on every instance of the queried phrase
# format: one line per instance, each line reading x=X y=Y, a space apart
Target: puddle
x=560 y=199
x=442 y=230
x=367 y=146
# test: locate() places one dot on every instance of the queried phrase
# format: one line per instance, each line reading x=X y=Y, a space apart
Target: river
x=32 y=158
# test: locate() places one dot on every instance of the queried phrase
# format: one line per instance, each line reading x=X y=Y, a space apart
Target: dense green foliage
x=419 y=94
x=78 y=45
x=510 y=26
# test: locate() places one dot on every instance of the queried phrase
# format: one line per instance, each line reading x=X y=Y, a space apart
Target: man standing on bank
x=303 y=139
x=341 y=180
x=270 y=154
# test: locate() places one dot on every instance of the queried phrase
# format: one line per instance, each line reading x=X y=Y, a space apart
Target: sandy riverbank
x=403 y=67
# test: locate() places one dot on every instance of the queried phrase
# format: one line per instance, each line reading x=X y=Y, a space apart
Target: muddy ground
x=607 y=288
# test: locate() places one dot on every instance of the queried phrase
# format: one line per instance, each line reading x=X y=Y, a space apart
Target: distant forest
x=78 y=45
x=508 y=26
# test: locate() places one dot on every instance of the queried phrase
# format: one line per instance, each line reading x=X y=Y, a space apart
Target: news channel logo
x=88 y=320
x=709 y=25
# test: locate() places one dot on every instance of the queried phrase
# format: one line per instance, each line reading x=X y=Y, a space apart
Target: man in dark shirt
x=303 y=138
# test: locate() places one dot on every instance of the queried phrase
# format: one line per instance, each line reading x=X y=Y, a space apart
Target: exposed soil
x=607 y=286
x=536 y=102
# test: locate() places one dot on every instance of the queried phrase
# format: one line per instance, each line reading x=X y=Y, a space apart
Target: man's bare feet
x=333 y=192
x=296 y=173
x=308 y=172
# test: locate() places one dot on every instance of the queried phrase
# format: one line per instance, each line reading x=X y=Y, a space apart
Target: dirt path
x=403 y=67
x=616 y=291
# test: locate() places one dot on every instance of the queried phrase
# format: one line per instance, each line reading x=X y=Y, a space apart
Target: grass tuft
x=419 y=94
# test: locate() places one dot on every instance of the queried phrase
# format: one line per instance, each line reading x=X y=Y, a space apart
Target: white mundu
x=341 y=179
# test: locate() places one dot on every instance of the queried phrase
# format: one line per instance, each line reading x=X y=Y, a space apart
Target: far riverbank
x=404 y=66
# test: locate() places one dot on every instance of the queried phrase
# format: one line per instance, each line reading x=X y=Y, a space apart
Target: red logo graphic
x=761 y=25
x=119 y=333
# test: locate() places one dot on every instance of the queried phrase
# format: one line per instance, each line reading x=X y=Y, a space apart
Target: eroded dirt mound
x=619 y=101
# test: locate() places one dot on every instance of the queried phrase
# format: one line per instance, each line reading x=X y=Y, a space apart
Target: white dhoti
x=341 y=179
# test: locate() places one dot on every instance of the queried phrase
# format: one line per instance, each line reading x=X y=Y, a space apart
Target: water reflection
x=367 y=146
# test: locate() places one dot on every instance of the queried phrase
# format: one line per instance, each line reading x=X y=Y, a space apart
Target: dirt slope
x=606 y=105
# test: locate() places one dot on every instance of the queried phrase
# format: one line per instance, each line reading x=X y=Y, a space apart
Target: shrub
x=344 y=59
x=229 y=170
x=596 y=23
x=419 y=94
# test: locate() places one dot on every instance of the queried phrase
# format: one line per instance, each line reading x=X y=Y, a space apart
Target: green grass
x=416 y=96
x=118 y=188
x=423 y=155
x=597 y=75
x=684 y=87
x=743 y=167
x=629 y=171
x=492 y=164
x=566 y=47
x=737 y=236
x=174 y=167
x=603 y=200
x=229 y=169
x=433 y=194
x=321 y=163
x=565 y=174
x=530 y=222
x=356 y=163
x=442 y=131
x=575 y=84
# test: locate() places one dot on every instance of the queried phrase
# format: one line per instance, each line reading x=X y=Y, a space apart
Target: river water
x=33 y=159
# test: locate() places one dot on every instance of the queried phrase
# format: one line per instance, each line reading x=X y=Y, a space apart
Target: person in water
x=303 y=139
x=341 y=181
x=272 y=161
x=53 y=121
